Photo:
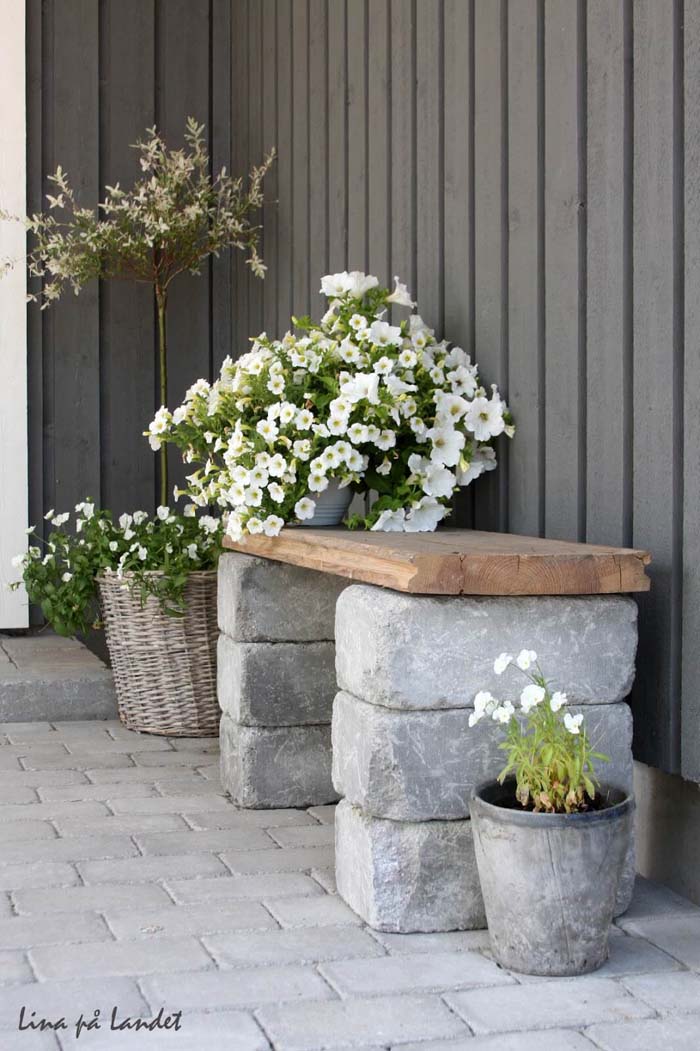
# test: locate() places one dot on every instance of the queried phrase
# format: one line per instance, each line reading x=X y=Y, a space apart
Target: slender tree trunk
x=161 y=301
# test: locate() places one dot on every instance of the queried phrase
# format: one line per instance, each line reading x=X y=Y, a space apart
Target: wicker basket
x=164 y=667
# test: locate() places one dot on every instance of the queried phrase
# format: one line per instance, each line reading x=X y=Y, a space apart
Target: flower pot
x=549 y=880
x=164 y=667
x=331 y=506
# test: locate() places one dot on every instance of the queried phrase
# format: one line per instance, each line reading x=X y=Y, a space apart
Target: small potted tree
x=550 y=840
x=155 y=577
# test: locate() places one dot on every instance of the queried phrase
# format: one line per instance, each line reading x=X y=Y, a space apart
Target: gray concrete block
x=422 y=765
x=405 y=876
x=287 y=766
x=300 y=945
x=417 y=651
x=121 y=959
x=264 y=601
x=246 y=987
x=276 y=684
x=409 y=974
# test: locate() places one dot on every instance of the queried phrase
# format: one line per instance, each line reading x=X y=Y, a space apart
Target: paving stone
x=19 y=831
x=48 y=811
x=561 y=1002
x=418 y=766
x=143 y=870
x=542 y=1040
x=447 y=941
x=169 y=805
x=264 y=601
x=653 y=900
x=194 y=744
x=419 y=973
x=18 y=1041
x=5 y=906
x=628 y=955
x=72 y=848
x=67 y=999
x=313 y=912
x=303 y=945
x=39 y=778
x=326 y=878
x=251 y=988
x=351 y=1023
x=218 y=1031
x=104 y=744
x=265 y=767
x=121 y=959
x=125 y=824
x=324 y=814
x=95 y=793
x=26 y=932
x=259 y=888
x=408 y=651
x=187 y=759
x=8 y=761
x=37 y=874
x=17 y=794
x=214 y=840
x=676 y=933
x=198 y=786
x=177 y=920
x=86 y=899
x=234 y=818
x=671 y=1034
x=315 y=836
x=679 y=993
x=298 y=859
x=408 y=876
x=18 y=729
x=63 y=760
x=144 y=775
x=276 y=683
x=14 y=968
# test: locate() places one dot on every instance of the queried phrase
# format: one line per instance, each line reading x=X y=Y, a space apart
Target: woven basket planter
x=164 y=667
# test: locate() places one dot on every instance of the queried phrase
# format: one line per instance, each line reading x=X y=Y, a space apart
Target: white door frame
x=13 y=311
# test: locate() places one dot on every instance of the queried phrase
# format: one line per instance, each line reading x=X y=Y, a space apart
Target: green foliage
x=153 y=556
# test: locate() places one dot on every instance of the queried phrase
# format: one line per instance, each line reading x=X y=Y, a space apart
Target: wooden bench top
x=457 y=561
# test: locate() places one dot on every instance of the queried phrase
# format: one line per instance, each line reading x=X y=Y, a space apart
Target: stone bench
x=415 y=638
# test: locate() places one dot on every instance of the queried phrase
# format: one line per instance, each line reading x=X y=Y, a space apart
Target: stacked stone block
x=276 y=681
x=404 y=758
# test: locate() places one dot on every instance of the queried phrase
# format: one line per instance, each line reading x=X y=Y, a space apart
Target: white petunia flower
x=573 y=722
x=304 y=508
x=69 y=576
x=483 y=459
x=49 y=514
x=189 y=512
x=558 y=700
x=256 y=476
x=277 y=465
x=385 y=440
x=335 y=285
x=348 y=351
x=401 y=296
x=359 y=283
x=503 y=713
x=268 y=429
x=439 y=481
x=318 y=482
x=272 y=525
x=390 y=521
x=276 y=492
x=362 y=386
x=287 y=412
x=383 y=366
x=357 y=433
x=142 y=553
x=113 y=545
x=447 y=445
x=501 y=663
x=254 y=525
x=531 y=696
x=407 y=358
x=192 y=550
x=382 y=334
x=484 y=704
x=525 y=659
x=384 y=467
x=163 y=512
x=356 y=462
x=59 y=520
x=304 y=419
x=484 y=418
x=253 y=496
x=424 y=516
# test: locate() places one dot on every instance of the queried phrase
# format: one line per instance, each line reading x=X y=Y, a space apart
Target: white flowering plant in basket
x=354 y=400
x=549 y=752
x=151 y=555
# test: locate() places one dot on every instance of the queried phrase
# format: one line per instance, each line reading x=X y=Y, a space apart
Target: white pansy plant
x=548 y=749
x=354 y=400
x=152 y=555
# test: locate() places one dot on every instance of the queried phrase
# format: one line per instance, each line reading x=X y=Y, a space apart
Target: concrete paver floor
x=128 y=881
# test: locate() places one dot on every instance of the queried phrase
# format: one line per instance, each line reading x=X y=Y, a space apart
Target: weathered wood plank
x=318 y=153
x=221 y=130
x=403 y=133
x=73 y=332
x=378 y=140
x=285 y=103
x=490 y=321
x=690 y=712
x=337 y=137
x=256 y=79
x=357 y=133
x=607 y=284
x=429 y=165
x=525 y=278
x=240 y=87
x=127 y=330
x=562 y=272
x=300 y=158
x=655 y=705
x=269 y=217
x=457 y=562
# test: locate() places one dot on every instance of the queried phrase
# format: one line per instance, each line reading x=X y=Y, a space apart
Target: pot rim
x=505 y=815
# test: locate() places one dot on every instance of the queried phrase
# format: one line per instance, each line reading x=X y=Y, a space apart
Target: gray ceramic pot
x=331 y=506
x=549 y=880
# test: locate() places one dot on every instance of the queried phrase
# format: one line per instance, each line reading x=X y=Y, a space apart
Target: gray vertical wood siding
x=529 y=166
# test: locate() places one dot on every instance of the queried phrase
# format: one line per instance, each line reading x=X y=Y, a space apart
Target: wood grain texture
x=457 y=562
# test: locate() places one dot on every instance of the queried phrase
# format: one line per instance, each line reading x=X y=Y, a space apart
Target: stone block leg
x=276 y=681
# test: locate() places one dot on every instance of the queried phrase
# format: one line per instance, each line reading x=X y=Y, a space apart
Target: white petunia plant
x=152 y=555
x=354 y=400
x=548 y=749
